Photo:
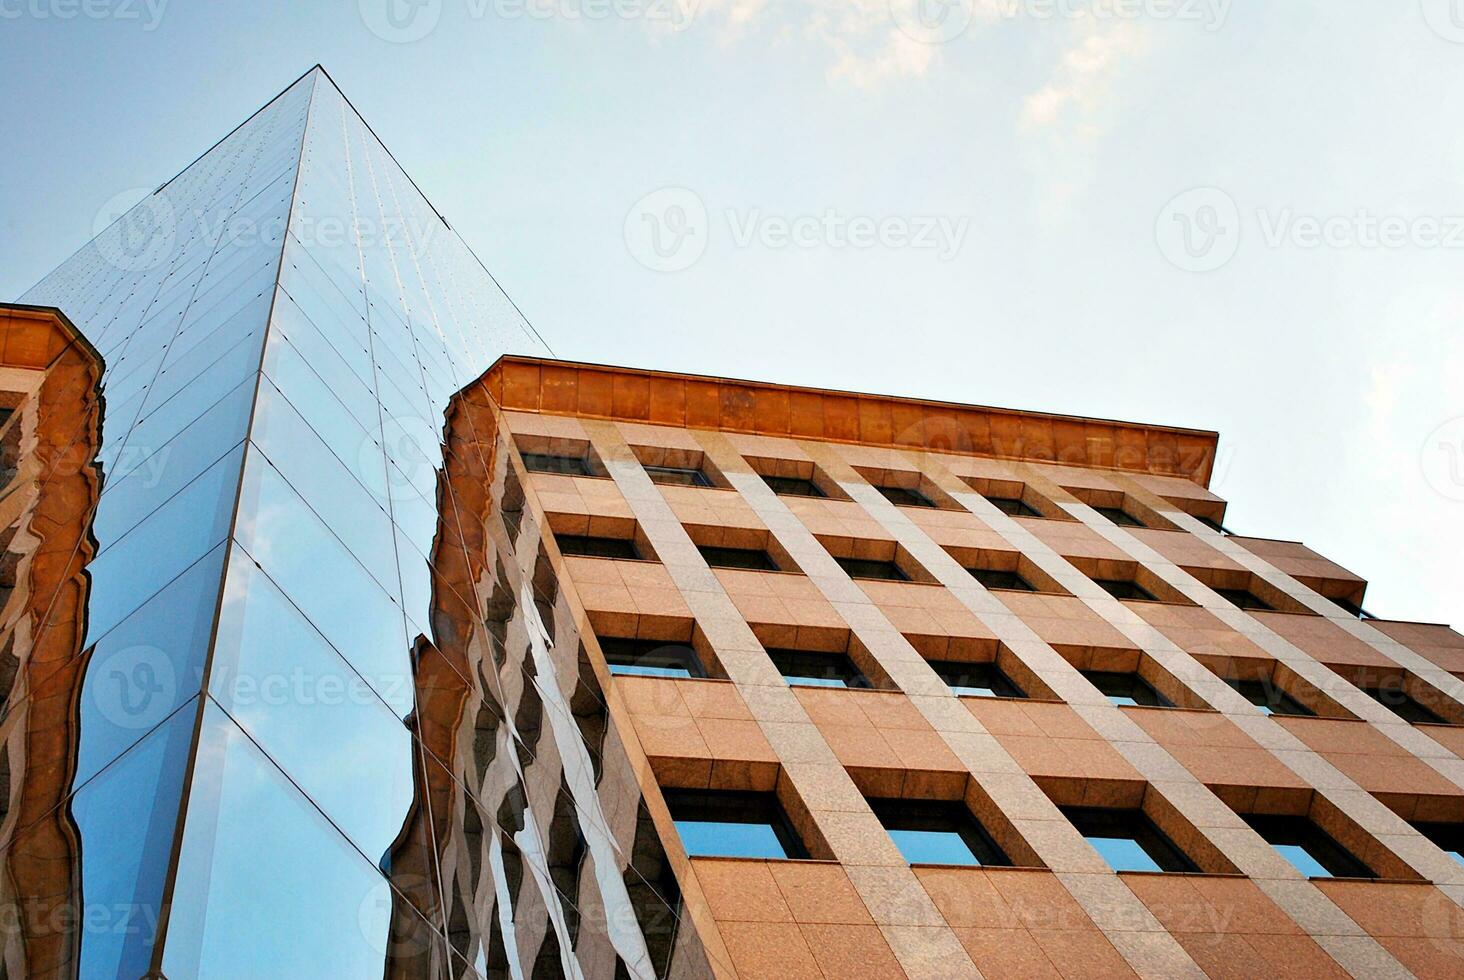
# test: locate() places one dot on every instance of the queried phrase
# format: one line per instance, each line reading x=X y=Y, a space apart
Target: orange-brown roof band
x=34 y=336
x=552 y=387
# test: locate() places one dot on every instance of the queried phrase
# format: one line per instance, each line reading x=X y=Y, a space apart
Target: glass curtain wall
x=335 y=718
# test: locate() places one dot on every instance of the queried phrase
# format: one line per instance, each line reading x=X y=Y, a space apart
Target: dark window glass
x=1244 y=598
x=1120 y=516
x=1266 y=696
x=1128 y=840
x=993 y=579
x=678 y=476
x=937 y=832
x=651 y=658
x=1212 y=524
x=1396 y=700
x=1014 y=507
x=870 y=568
x=793 y=486
x=1126 y=688
x=983 y=680
x=567 y=465
x=813 y=669
x=1307 y=847
x=726 y=824
x=1125 y=589
x=583 y=545
x=904 y=497
x=753 y=558
x=1353 y=609
x=1449 y=837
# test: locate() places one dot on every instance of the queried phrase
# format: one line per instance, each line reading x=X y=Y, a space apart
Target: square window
x=793 y=486
x=651 y=658
x=872 y=568
x=1448 y=837
x=1309 y=849
x=994 y=579
x=1125 y=589
x=591 y=547
x=1128 y=839
x=1269 y=698
x=1014 y=507
x=754 y=559
x=1395 y=699
x=973 y=679
x=905 y=497
x=1245 y=599
x=678 y=476
x=808 y=668
x=1123 y=688
x=937 y=832
x=563 y=465
x=715 y=823
x=1120 y=517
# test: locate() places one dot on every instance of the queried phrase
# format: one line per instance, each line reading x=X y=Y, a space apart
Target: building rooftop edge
x=1030 y=436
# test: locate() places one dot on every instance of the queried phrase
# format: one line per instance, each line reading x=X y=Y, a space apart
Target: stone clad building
x=345 y=633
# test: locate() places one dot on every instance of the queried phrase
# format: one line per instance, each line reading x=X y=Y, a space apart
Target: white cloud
x=1084 y=78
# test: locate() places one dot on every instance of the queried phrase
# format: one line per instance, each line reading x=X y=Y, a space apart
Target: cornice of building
x=555 y=387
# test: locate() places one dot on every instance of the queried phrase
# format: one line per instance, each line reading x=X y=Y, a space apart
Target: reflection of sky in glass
x=933 y=847
x=705 y=838
x=251 y=835
x=1302 y=860
x=1123 y=854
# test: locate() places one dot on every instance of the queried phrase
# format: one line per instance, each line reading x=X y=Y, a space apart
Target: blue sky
x=1229 y=214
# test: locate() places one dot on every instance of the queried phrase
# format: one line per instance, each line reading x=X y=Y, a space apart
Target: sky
x=1226 y=214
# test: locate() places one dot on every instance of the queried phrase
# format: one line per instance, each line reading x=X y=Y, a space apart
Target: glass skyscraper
x=311 y=719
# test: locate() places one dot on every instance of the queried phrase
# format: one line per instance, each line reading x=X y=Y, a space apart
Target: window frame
x=1168 y=856
x=736 y=802
x=855 y=679
x=625 y=658
x=958 y=819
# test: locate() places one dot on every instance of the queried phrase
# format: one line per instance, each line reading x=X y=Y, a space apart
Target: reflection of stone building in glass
x=346 y=642
x=49 y=424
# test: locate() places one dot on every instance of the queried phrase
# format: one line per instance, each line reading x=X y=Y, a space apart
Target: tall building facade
x=346 y=634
